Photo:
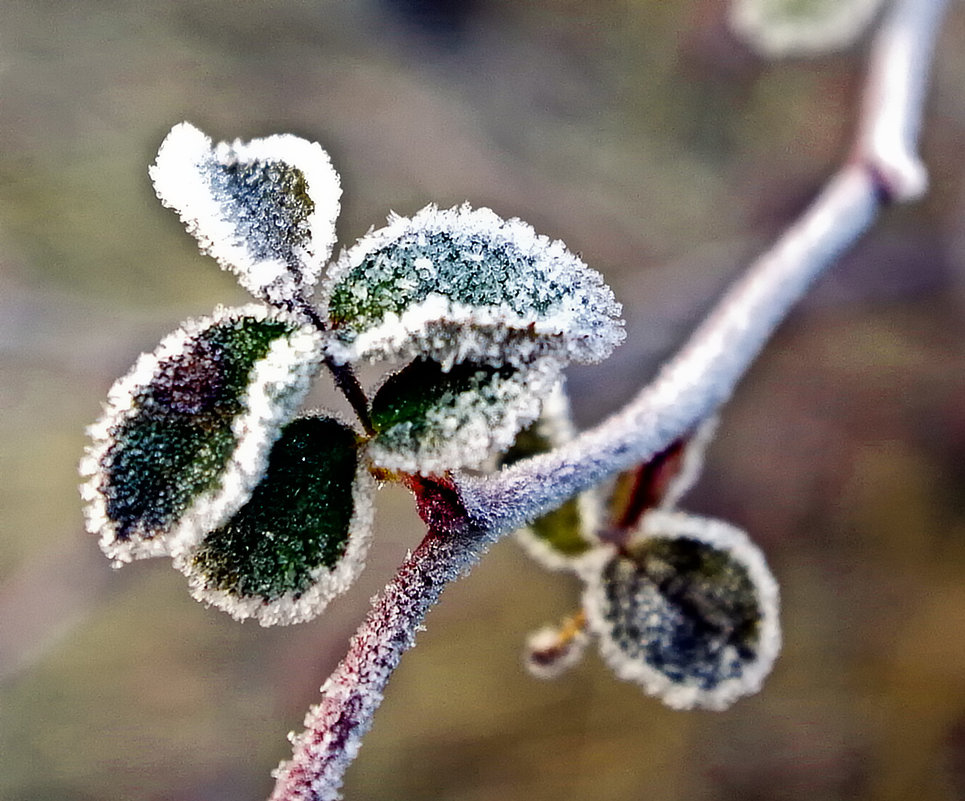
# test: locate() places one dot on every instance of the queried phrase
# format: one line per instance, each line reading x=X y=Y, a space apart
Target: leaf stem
x=345 y=378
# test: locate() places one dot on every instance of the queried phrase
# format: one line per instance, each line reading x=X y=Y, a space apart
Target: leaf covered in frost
x=265 y=209
x=301 y=538
x=185 y=435
x=465 y=285
x=801 y=27
x=428 y=420
x=564 y=534
x=690 y=611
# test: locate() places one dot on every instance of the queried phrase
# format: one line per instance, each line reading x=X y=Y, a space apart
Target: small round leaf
x=689 y=611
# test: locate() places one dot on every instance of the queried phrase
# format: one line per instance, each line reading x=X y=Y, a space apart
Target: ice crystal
x=689 y=611
x=301 y=538
x=185 y=435
x=463 y=284
x=801 y=27
x=559 y=537
x=265 y=209
x=429 y=421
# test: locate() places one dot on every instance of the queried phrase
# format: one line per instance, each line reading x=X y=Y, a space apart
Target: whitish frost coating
x=275 y=386
x=463 y=284
x=327 y=583
x=671 y=632
x=265 y=209
x=466 y=424
x=559 y=539
x=801 y=27
x=550 y=652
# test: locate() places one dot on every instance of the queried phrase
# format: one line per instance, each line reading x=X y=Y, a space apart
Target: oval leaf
x=301 y=538
x=464 y=285
x=429 y=420
x=265 y=209
x=185 y=435
x=778 y=28
x=689 y=611
x=557 y=539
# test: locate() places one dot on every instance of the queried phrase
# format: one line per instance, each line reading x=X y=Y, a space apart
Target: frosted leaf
x=801 y=27
x=301 y=538
x=465 y=285
x=561 y=536
x=185 y=435
x=429 y=421
x=551 y=651
x=689 y=611
x=265 y=209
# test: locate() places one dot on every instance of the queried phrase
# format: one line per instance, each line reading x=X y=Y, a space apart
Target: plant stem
x=467 y=514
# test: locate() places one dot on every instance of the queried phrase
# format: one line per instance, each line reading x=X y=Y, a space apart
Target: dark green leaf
x=301 y=537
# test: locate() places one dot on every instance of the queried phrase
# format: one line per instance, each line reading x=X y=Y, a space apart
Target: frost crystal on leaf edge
x=583 y=326
x=276 y=386
x=467 y=432
x=719 y=535
x=179 y=174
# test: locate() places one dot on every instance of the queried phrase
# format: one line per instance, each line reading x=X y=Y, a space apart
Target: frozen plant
x=203 y=456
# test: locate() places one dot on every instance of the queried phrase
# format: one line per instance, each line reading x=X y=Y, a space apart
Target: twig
x=468 y=514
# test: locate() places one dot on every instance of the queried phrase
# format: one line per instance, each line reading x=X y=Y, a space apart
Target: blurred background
x=647 y=137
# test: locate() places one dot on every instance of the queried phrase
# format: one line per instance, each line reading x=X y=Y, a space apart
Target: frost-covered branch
x=883 y=167
x=465 y=517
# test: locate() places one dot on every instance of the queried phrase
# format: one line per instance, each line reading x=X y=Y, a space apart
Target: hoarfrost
x=559 y=538
x=185 y=434
x=463 y=284
x=430 y=421
x=689 y=612
x=264 y=209
x=301 y=538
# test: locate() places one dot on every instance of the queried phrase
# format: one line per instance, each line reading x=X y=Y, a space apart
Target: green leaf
x=429 y=420
x=689 y=611
x=265 y=209
x=464 y=285
x=185 y=435
x=300 y=539
x=557 y=539
x=801 y=27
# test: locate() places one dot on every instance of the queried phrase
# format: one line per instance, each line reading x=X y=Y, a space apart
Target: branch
x=464 y=517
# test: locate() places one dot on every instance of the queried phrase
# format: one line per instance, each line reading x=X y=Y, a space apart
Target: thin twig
x=465 y=516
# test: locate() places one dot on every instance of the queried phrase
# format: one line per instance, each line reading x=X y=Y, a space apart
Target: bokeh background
x=665 y=152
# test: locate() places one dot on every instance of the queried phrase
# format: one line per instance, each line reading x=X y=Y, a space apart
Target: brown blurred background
x=652 y=142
